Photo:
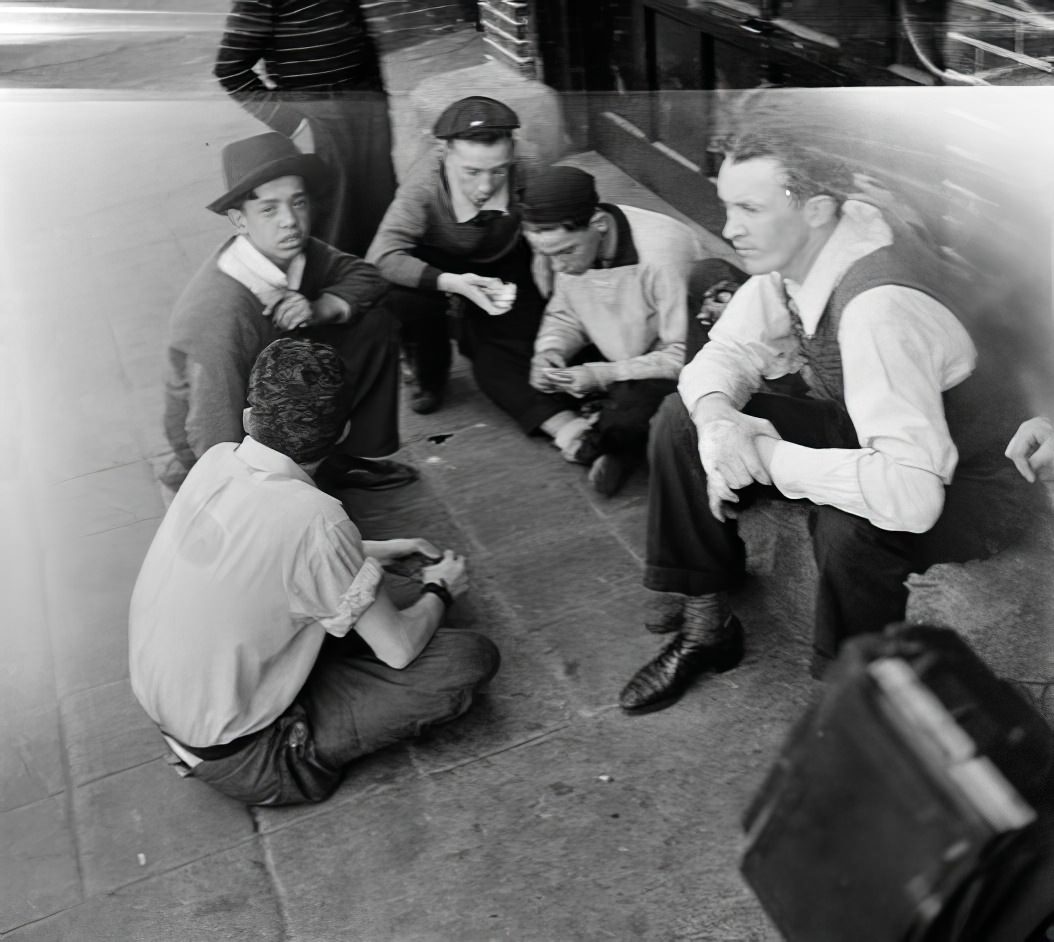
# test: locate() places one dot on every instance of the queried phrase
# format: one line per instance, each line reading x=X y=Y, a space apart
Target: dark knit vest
x=982 y=411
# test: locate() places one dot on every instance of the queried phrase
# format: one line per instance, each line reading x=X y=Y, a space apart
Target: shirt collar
x=245 y=263
x=261 y=458
x=861 y=231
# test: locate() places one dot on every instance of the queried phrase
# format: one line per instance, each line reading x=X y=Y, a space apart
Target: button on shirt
x=250 y=568
x=900 y=349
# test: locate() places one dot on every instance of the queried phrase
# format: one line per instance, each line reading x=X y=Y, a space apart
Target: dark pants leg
x=625 y=415
x=353 y=136
x=422 y=317
x=369 y=349
x=357 y=704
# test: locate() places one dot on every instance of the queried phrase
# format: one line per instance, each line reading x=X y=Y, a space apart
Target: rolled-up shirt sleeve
x=901 y=350
x=334 y=582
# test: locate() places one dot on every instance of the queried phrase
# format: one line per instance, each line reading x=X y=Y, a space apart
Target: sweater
x=634 y=310
x=218 y=328
x=309 y=48
x=420 y=234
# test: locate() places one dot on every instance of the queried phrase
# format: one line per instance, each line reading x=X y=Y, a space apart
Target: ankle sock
x=705 y=618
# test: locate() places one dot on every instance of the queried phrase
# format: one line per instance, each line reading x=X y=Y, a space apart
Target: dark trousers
x=369 y=348
x=624 y=414
x=499 y=346
x=352 y=134
x=352 y=705
x=862 y=568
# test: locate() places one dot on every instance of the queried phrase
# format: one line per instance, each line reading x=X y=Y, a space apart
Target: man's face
x=571 y=252
x=478 y=170
x=278 y=221
x=766 y=228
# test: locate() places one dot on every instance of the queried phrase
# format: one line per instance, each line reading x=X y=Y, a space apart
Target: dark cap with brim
x=474 y=115
x=254 y=161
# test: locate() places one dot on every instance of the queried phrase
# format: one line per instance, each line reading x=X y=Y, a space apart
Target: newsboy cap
x=473 y=114
x=255 y=160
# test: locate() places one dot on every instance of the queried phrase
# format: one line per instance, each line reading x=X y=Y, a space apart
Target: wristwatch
x=439 y=590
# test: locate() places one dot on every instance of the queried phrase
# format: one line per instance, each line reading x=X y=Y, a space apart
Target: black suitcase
x=912 y=802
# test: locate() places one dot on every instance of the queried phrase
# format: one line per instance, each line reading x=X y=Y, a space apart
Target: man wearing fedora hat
x=268 y=279
x=453 y=230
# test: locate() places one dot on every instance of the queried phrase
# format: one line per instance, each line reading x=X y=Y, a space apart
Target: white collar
x=262 y=458
x=861 y=231
x=246 y=264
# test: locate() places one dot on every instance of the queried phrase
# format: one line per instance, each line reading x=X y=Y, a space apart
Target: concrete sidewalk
x=543 y=815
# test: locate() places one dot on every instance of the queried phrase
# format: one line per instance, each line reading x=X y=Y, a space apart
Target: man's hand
x=329 y=309
x=451 y=570
x=1032 y=449
x=384 y=551
x=293 y=311
x=727 y=443
x=541 y=363
x=721 y=497
x=474 y=288
x=579 y=381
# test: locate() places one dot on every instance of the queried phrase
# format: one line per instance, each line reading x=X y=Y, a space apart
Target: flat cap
x=559 y=195
x=473 y=114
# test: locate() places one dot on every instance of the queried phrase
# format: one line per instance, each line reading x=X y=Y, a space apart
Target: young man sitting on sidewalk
x=262 y=639
x=268 y=279
x=619 y=302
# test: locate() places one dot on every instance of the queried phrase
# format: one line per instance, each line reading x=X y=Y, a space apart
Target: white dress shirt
x=246 y=264
x=901 y=349
x=250 y=568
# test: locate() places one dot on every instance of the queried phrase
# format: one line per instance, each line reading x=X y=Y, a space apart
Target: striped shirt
x=307 y=46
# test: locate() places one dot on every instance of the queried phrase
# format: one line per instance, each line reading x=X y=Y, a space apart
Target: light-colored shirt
x=250 y=568
x=900 y=348
x=634 y=312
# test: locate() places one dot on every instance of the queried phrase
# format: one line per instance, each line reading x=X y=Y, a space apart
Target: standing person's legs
x=357 y=704
x=352 y=134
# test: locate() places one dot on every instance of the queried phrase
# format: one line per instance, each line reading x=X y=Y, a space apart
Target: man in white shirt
x=836 y=375
x=614 y=327
x=262 y=639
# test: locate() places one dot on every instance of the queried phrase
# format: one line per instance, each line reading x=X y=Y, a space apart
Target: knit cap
x=559 y=195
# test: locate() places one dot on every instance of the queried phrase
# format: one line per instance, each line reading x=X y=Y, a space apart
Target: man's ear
x=237 y=218
x=820 y=210
x=246 y=413
x=599 y=221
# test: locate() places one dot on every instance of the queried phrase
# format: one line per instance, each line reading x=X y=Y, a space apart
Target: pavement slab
x=31 y=757
x=147 y=820
x=224 y=897
x=38 y=868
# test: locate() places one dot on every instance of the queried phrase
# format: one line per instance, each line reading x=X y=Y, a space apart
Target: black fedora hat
x=475 y=114
x=254 y=160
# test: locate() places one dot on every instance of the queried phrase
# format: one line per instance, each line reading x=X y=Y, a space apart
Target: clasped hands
x=551 y=374
x=403 y=557
x=294 y=310
x=734 y=449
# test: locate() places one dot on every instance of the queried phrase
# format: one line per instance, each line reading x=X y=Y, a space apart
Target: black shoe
x=368 y=474
x=660 y=682
x=608 y=473
x=425 y=401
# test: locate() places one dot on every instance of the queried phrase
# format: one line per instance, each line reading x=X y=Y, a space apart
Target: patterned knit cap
x=296 y=390
x=559 y=196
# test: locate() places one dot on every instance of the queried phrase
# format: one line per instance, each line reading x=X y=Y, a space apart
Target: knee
x=838 y=536
x=473 y=658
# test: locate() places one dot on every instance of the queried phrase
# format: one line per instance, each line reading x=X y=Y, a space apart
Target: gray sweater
x=218 y=329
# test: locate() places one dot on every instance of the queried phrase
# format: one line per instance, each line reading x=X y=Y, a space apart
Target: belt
x=221 y=751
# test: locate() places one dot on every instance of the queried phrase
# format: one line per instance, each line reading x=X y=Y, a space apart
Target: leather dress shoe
x=660 y=682
x=368 y=474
